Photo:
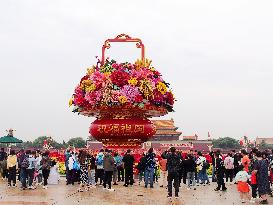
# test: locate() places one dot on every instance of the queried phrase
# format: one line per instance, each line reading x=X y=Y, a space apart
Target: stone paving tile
x=135 y=195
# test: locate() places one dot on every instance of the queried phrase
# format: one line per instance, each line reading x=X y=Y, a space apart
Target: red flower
x=80 y=101
x=158 y=97
x=85 y=78
x=119 y=78
x=157 y=73
x=169 y=98
x=138 y=98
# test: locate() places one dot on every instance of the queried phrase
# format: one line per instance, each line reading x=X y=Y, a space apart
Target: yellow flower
x=161 y=87
x=142 y=63
x=91 y=70
x=133 y=81
x=70 y=102
x=107 y=74
x=152 y=68
x=90 y=88
x=122 y=99
x=146 y=88
x=85 y=83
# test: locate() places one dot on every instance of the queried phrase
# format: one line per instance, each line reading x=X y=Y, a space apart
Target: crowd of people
x=33 y=168
x=254 y=169
x=252 y=172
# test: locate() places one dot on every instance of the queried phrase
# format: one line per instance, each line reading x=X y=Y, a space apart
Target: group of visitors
x=34 y=168
x=89 y=169
x=253 y=170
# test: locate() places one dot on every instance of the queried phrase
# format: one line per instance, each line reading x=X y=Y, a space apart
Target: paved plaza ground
x=135 y=195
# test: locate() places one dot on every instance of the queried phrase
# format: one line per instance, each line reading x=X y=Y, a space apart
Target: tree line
x=231 y=143
x=38 y=143
x=79 y=142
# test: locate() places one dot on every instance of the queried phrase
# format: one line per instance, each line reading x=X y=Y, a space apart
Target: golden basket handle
x=122 y=38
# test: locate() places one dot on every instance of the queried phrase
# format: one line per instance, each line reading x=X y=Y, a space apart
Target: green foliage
x=226 y=143
x=77 y=142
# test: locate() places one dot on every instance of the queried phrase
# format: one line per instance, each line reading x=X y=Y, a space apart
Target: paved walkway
x=135 y=195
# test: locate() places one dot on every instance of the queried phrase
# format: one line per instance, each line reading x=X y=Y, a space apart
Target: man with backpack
x=173 y=166
x=99 y=165
x=149 y=168
x=31 y=168
x=24 y=164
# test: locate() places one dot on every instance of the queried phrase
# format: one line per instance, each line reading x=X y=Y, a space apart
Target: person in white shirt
x=39 y=167
x=71 y=171
x=229 y=165
x=202 y=164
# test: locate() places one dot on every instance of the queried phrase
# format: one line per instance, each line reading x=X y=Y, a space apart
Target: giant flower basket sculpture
x=122 y=96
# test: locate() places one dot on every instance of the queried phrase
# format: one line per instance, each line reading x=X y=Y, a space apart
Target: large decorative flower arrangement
x=117 y=85
x=122 y=96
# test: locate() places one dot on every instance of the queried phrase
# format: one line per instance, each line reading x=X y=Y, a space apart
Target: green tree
x=226 y=143
x=77 y=142
x=25 y=145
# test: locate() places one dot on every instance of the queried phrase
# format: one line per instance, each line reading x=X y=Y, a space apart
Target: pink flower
x=115 y=65
x=93 y=97
x=98 y=78
x=115 y=96
x=78 y=91
x=130 y=92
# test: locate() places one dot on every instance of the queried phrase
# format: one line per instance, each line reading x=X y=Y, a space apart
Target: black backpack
x=173 y=163
x=25 y=162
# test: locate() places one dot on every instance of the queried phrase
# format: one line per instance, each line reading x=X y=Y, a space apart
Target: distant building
x=165 y=130
x=194 y=137
x=259 y=140
x=167 y=136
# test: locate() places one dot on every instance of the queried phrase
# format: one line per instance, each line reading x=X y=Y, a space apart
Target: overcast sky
x=217 y=56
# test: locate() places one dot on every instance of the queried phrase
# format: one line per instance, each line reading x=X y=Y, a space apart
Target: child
x=35 y=179
x=157 y=171
x=254 y=187
x=242 y=186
